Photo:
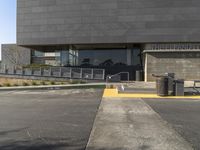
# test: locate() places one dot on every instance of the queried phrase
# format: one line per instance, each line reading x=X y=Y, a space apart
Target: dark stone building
x=120 y=35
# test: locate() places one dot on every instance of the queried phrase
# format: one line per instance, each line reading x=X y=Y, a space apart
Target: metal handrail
x=58 y=72
x=120 y=73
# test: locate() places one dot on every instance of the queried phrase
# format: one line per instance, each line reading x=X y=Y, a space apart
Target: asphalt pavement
x=47 y=120
x=182 y=114
x=63 y=120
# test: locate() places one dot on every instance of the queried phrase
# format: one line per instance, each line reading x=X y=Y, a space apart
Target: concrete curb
x=113 y=93
x=94 y=126
x=52 y=87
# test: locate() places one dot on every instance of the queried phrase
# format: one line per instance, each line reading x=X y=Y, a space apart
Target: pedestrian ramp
x=124 y=124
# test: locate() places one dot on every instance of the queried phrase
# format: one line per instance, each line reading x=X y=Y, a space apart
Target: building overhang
x=170 y=51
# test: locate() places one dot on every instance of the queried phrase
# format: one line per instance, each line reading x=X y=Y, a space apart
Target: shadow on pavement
x=143 y=147
x=40 y=143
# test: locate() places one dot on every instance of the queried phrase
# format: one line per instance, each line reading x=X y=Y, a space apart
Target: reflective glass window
x=102 y=57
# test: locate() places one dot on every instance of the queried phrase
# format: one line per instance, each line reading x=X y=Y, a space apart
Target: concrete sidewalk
x=130 y=124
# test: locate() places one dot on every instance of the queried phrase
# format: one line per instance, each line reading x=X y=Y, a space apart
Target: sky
x=7 y=22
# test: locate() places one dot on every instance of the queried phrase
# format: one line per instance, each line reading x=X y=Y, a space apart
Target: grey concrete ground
x=183 y=115
x=47 y=120
x=130 y=124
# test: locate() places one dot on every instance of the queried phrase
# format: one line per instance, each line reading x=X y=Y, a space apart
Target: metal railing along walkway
x=62 y=72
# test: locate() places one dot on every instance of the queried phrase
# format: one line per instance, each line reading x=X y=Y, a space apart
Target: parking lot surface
x=182 y=114
x=47 y=120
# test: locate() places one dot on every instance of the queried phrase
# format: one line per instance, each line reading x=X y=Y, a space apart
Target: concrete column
x=129 y=60
x=74 y=55
x=145 y=67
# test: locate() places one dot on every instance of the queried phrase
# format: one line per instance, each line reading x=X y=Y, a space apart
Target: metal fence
x=62 y=72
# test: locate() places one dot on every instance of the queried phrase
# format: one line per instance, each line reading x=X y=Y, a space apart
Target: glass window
x=102 y=57
x=87 y=58
x=37 y=53
x=136 y=56
x=64 y=58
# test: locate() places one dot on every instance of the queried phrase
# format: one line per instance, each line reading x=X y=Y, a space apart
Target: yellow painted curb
x=114 y=93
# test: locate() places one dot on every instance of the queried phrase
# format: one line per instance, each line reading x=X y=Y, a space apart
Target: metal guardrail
x=62 y=72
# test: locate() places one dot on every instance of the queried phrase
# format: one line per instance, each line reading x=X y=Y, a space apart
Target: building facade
x=15 y=56
x=156 y=36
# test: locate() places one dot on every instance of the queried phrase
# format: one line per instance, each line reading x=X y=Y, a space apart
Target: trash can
x=162 y=86
x=171 y=77
x=139 y=75
x=179 y=87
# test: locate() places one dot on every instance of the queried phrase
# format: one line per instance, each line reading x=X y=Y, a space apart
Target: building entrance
x=112 y=59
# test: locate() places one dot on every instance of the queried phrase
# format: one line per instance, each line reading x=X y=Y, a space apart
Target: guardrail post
x=81 y=73
x=60 y=74
x=70 y=72
x=41 y=71
x=128 y=76
x=23 y=71
x=5 y=69
x=13 y=70
x=103 y=77
x=31 y=71
x=50 y=71
x=92 y=73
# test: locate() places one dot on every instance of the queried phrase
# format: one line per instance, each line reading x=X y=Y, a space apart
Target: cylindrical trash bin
x=179 y=87
x=162 y=86
x=171 y=77
x=139 y=75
